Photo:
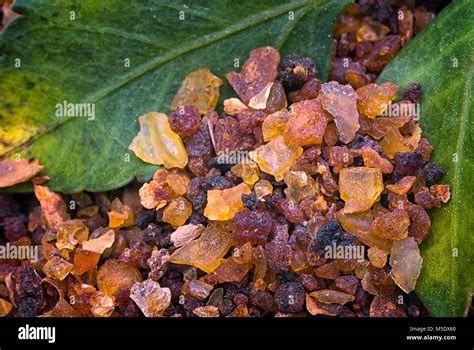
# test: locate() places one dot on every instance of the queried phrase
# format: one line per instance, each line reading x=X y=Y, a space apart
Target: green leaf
x=75 y=51
x=441 y=59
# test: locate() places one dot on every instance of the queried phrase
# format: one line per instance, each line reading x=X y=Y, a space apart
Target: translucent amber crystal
x=100 y=243
x=276 y=157
x=5 y=307
x=224 y=204
x=394 y=142
x=372 y=159
x=374 y=99
x=115 y=278
x=57 y=268
x=274 y=124
x=151 y=298
x=359 y=225
x=341 y=102
x=205 y=252
x=102 y=305
x=53 y=207
x=234 y=268
x=406 y=261
x=201 y=89
x=307 y=123
x=199 y=289
x=360 y=188
x=263 y=188
x=259 y=259
x=329 y=296
x=206 y=311
x=248 y=172
x=84 y=260
x=177 y=212
x=402 y=186
x=121 y=215
x=377 y=257
x=379 y=127
x=71 y=232
x=300 y=185
x=157 y=144
x=392 y=225
x=178 y=183
x=371 y=30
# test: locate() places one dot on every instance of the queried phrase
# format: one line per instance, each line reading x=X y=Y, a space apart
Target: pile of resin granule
x=299 y=199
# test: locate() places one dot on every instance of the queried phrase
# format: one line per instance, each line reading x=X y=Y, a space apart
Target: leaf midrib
x=145 y=68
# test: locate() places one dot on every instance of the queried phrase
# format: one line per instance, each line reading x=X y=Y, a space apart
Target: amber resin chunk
x=374 y=99
x=224 y=204
x=102 y=305
x=121 y=215
x=100 y=243
x=377 y=257
x=177 y=212
x=307 y=123
x=276 y=157
x=260 y=69
x=263 y=188
x=393 y=225
x=300 y=185
x=373 y=160
x=341 y=102
x=235 y=267
x=274 y=124
x=394 y=141
x=14 y=171
x=201 y=89
x=71 y=233
x=57 y=268
x=157 y=144
x=151 y=298
x=115 y=278
x=5 y=307
x=248 y=172
x=329 y=296
x=84 y=260
x=360 y=188
x=406 y=262
x=205 y=252
x=52 y=207
x=402 y=186
x=185 y=234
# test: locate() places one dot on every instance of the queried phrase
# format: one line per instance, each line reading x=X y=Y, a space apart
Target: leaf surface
x=77 y=51
x=441 y=59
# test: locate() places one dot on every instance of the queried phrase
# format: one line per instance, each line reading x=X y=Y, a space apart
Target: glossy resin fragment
x=360 y=188
x=150 y=297
x=274 y=124
x=406 y=262
x=224 y=204
x=374 y=99
x=206 y=251
x=341 y=102
x=201 y=89
x=276 y=157
x=307 y=123
x=157 y=144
